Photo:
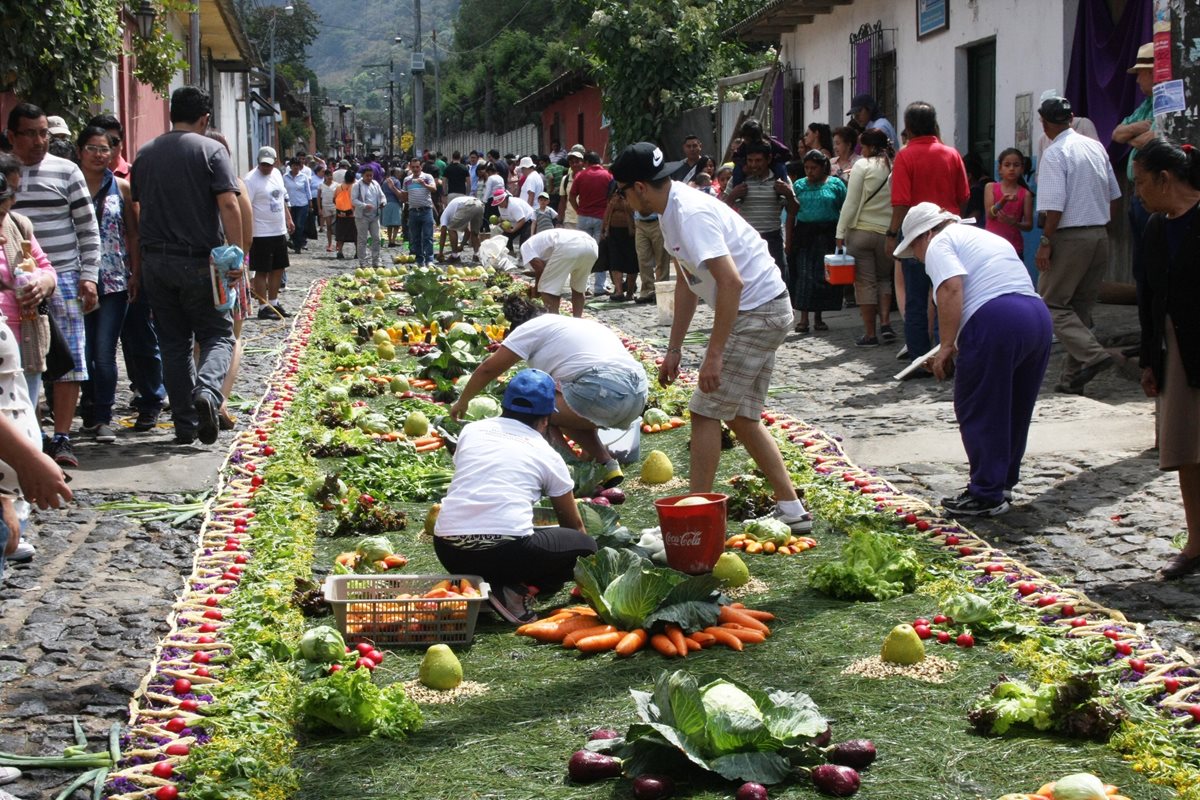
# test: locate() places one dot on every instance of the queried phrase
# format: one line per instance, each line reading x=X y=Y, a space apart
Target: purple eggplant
x=856 y=753
x=751 y=791
x=603 y=733
x=825 y=738
x=588 y=767
x=614 y=496
x=835 y=779
x=653 y=787
x=600 y=501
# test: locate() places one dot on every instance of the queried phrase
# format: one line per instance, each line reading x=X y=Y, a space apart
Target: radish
x=965 y=640
x=162 y=769
x=1171 y=685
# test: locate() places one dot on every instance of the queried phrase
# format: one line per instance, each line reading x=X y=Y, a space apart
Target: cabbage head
x=322 y=645
x=482 y=408
x=374 y=548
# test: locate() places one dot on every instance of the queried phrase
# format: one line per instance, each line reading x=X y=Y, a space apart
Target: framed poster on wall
x=932 y=16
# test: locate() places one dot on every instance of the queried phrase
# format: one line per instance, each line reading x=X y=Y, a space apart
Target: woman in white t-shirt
x=599 y=384
x=995 y=338
x=502 y=466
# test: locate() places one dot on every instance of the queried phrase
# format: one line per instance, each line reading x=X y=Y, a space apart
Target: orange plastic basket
x=389 y=610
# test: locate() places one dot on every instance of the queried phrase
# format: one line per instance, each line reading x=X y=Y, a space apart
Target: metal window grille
x=873 y=66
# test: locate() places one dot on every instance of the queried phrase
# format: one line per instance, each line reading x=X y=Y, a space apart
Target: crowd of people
x=98 y=251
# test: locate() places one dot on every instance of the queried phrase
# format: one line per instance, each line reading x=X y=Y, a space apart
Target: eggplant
x=835 y=779
x=614 y=496
x=751 y=791
x=653 y=787
x=603 y=733
x=588 y=767
x=856 y=753
x=825 y=738
x=600 y=500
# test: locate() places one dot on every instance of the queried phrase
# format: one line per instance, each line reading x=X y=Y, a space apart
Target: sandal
x=820 y=326
x=801 y=327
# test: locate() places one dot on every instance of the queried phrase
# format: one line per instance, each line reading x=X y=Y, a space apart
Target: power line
x=489 y=41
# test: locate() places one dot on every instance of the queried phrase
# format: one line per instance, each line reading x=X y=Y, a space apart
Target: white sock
x=791 y=508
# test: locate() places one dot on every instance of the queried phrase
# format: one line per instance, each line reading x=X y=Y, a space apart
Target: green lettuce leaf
x=873 y=566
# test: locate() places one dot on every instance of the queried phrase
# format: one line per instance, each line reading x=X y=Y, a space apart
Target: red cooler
x=694 y=535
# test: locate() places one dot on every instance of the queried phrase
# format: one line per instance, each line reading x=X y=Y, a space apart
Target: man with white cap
x=516 y=212
x=531 y=181
x=995 y=339
x=272 y=224
x=1076 y=187
x=723 y=261
x=58 y=128
x=1137 y=130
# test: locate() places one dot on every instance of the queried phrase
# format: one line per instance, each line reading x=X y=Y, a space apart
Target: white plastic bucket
x=624 y=445
x=664 y=297
x=493 y=252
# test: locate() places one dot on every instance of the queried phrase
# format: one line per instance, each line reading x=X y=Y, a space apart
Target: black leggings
x=545 y=559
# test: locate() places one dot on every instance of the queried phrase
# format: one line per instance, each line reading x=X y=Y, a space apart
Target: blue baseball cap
x=531 y=391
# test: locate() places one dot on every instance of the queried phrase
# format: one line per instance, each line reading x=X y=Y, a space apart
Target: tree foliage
x=294 y=33
x=655 y=59
x=53 y=54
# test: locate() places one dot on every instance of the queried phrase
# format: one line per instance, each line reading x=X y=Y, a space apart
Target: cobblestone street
x=79 y=624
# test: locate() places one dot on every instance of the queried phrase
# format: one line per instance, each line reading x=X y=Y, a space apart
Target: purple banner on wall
x=862 y=67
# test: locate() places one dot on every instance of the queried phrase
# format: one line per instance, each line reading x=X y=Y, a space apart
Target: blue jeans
x=916 y=307
x=143 y=362
x=611 y=397
x=103 y=328
x=179 y=290
x=300 y=220
x=420 y=234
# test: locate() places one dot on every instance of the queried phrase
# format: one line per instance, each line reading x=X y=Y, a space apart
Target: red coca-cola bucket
x=694 y=535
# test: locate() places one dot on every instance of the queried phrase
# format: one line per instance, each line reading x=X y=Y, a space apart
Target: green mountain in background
x=356 y=32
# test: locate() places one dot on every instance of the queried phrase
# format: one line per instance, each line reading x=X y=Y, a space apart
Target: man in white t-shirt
x=531 y=182
x=517 y=213
x=463 y=214
x=995 y=337
x=559 y=256
x=502 y=466
x=272 y=225
x=723 y=261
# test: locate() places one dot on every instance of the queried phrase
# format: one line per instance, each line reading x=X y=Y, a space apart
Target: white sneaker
x=24 y=552
x=799 y=523
x=8 y=775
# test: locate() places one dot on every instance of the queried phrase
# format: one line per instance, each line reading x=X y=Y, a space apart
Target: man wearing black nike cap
x=726 y=263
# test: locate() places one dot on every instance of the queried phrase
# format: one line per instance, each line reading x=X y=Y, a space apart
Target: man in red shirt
x=925 y=171
x=589 y=198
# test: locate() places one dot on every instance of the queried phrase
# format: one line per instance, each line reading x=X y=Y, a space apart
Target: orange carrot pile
x=675 y=422
x=580 y=628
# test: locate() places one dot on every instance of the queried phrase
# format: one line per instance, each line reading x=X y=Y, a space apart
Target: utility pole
x=1185 y=27
x=437 y=91
x=418 y=70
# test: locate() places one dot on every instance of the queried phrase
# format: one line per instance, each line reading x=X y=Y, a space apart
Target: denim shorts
x=610 y=396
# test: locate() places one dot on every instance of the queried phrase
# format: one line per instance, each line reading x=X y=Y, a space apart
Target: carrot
x=426 y=440
x=725 y=637
x=632 y=642
x=663 y=645
x=746 y=621
x=675 y=634
x=557 y=631
x=692 y=644
x=745 y=634
x=429 y=448
x=599 y=643
x=761 y=616
x=572 y=638
x=701 y=638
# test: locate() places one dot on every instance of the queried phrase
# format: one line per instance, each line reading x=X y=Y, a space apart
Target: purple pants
x=1002 y=355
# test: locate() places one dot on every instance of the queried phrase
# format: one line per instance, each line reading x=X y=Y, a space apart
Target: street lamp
x=288 y=10
x=144 y=17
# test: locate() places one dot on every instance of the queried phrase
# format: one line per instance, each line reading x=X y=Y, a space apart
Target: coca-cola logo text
x=685 y=539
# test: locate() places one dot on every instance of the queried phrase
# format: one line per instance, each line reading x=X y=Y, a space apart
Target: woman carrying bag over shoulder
x=862 y=229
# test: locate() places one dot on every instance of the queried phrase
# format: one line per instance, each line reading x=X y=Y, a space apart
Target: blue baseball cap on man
x=531 y=391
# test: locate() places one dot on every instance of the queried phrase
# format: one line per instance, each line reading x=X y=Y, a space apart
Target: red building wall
x=575 y=119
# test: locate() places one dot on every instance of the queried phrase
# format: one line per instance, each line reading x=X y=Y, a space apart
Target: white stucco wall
x=1032 y=51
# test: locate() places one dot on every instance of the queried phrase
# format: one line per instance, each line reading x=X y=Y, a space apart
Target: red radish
x=965 y=640
x=223 y=589
x=1124 y=648
x=940 y=619
x=1078 y=622
x=201 y=672
x=1137 y=665
x=1046 y=600
x=177 y=749
x=964 y=551
x=943 y=637
x=168 y=792
x=922 y=525
x=1068 y=610
x=162 y=769
x=1194 y=710
x=211 y=600
x=364 y=648
x=376 y=656
x=364 y=663
x=213 y=613
x=1112 y=635
x=923 y=631
x=910 y=518
x=176 y=724
x=920 y=621
x=1026 y=588
x=205 y=640
x=207 y=627
x=201 y=657
x=240 y=559
x=181 y=686
x=335 y=668
x=189 y=705
x=952 y=540
x=1171 y=685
